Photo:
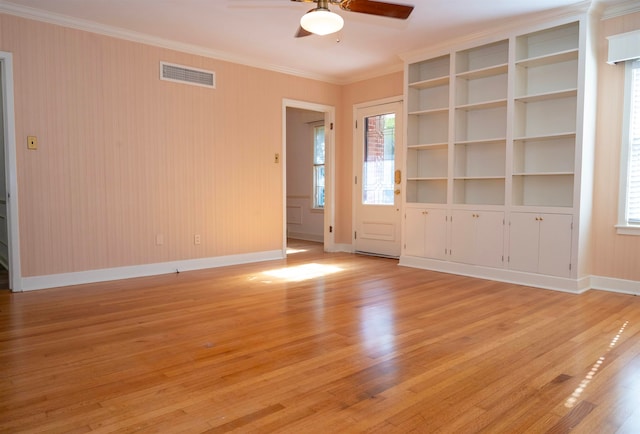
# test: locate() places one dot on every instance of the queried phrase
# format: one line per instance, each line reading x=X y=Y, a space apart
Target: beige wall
x=124 y=156
x=616 y=256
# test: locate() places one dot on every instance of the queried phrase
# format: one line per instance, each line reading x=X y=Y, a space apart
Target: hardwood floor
x=369 y=347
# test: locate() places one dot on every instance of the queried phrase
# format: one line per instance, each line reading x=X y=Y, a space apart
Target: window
x=318 y=167
x=629 y=220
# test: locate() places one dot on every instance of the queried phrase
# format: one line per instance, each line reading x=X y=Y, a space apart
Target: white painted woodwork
x=477 y=237
x=540 y=243
x=426 y=232
x=508 y=145
x=378 y=228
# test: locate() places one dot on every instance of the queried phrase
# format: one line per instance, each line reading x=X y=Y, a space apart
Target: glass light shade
x=321 y=22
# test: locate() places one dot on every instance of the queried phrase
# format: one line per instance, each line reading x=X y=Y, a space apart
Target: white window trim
x=623 y=227
x=315 y=209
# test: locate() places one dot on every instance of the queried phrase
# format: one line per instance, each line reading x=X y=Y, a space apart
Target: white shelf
x=429 y=146
x=484 y=72
x=549 y=191
x=543 y=137
x=423 y=191
x=547 y=42
x=430 y=127
x=433 y=111
x=428 y=178
x=482 y=57
x=479 y=191
x=479 y=177
x=433 y=82
x=545 y=116
x=547 y=59
x=483 y=105
x=542 y=173
x=491 y=141
x=548 y=96
x=430 y=69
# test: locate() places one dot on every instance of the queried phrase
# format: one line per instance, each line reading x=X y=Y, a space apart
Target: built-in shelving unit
x=481 y=85
x=496 y=130
x=428 y=130
x=546 y=91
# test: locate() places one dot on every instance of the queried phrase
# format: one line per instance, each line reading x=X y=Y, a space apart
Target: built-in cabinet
x=494 y=161
x=476 y=237
x=541 y=243
x=427 y=233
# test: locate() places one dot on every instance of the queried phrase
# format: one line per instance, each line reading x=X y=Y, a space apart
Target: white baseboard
x=108 y=274
x=345 y=248
x=499 y=274
x=612 y=284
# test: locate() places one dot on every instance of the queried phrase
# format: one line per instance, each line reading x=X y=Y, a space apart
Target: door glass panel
x=379 y=160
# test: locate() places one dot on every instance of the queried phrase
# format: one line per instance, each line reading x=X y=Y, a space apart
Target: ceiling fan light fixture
x=321 y=22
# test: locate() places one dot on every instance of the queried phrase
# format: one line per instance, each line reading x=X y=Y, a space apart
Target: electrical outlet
x=159 y=239
x=196 y=239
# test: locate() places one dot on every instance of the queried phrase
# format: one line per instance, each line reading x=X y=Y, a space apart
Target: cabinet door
x=555 y=245
x=524 y=229
x=414 y=230
x=425 y=233
x=463 y=236
x=435 y=234
x=489 y=238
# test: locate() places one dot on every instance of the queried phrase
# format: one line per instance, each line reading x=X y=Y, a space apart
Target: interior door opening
x=9 y=234
x=307 y=173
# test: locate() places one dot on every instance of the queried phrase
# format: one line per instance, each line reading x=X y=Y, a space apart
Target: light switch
x=276 y=158
x=32 y=142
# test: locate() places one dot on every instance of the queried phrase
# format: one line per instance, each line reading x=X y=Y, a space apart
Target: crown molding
x=613 y=8
x=119 y=33
x=495 y=32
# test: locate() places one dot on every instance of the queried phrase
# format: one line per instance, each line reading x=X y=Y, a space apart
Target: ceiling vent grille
x=188 y=75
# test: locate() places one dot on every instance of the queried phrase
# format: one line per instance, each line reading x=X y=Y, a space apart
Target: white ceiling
x=261 y=32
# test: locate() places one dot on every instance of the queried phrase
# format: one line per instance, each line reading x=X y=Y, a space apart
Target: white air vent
x=188 y=75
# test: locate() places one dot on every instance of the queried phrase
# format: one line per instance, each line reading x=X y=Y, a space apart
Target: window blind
x=633 y=182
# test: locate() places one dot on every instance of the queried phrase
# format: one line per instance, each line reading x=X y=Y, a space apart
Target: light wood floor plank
x=371 y=348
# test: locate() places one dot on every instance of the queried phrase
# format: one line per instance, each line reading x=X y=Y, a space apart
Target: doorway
x=308 y=175
x=9 y=238
x=378 y=178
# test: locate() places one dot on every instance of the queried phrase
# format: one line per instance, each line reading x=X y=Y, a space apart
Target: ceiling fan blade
x=383 y=9
x=301 y=33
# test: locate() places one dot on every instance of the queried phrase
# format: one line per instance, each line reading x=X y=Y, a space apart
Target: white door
x=378 y=157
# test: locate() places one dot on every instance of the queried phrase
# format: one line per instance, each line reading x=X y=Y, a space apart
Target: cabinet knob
x=425 y=212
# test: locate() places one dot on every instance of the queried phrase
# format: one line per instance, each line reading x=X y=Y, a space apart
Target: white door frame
x=329 y=169
x=355 y=198
x=11 y=171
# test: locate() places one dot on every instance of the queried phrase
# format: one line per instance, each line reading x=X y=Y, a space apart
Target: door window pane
x=379 y=160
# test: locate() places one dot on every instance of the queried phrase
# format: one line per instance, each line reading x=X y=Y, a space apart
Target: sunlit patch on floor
x=573 y=399
x=292 y=251
x=302 y=272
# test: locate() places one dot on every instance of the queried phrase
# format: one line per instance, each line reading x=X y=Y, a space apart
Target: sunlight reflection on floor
x=573 y=399
x=302 y=272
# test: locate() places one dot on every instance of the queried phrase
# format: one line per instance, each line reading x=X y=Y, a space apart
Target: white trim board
x=129 y=272
x=574 y=286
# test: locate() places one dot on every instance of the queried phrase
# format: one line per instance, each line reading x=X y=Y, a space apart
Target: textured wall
x=614 y=255
x=125 y=156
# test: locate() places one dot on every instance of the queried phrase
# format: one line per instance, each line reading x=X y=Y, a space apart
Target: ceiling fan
x=321 y=21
